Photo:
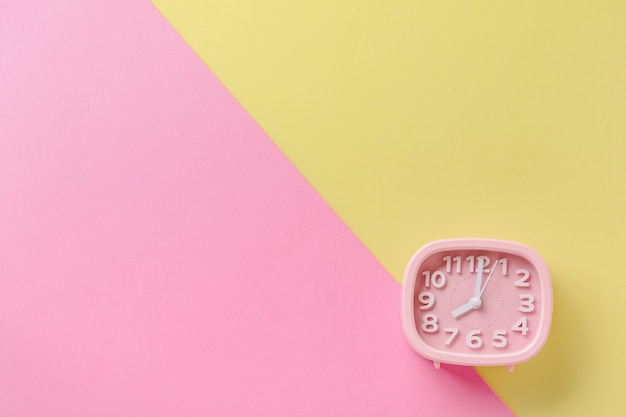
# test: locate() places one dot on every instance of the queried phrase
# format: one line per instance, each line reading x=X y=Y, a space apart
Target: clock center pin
x=477 y=302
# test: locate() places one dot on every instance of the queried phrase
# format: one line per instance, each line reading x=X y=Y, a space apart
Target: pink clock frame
x=480 y=244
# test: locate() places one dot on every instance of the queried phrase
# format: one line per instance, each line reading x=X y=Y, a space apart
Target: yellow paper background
x=422 y=120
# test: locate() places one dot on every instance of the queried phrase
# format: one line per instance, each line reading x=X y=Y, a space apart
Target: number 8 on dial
x=476 y=302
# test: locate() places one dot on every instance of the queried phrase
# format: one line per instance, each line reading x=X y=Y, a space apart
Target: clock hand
x=488 y=278
x=472 y=304
x=475 y=302
x=462 y=310
x=479 y=276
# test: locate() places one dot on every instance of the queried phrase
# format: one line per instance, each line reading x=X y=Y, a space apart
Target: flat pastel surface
x=420 y=120
x=161 y=257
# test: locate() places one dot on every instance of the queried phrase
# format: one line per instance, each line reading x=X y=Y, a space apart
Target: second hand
x=488 y=278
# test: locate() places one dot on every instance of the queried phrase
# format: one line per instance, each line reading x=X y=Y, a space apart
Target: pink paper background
x=159 y=256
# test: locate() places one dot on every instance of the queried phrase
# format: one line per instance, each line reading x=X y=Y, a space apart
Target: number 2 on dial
x=524 y=276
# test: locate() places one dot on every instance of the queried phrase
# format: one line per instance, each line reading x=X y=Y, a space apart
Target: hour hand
x=462 y=310
x=472 y=304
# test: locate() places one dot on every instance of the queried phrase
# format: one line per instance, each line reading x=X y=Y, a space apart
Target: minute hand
x=479 y=277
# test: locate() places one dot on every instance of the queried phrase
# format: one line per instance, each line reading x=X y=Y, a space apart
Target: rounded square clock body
x=476 y=302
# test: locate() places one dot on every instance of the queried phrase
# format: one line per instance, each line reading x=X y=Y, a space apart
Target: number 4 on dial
x=521 y=326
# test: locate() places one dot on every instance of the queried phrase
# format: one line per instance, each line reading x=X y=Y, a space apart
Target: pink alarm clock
x=477 y=302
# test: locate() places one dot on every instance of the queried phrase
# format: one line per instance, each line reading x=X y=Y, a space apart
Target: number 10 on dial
x=476 y=302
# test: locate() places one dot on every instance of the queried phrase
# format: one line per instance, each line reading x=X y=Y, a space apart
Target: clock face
x=477 y=302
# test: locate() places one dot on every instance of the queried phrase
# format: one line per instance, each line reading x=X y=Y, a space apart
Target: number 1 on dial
x=503 y=261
